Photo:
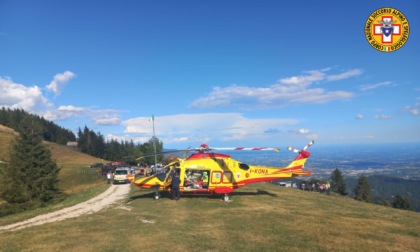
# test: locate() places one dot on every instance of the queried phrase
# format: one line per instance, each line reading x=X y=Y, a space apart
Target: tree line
x=363 y=191
x=88 y=141
x=48 y=130
x=94 y=144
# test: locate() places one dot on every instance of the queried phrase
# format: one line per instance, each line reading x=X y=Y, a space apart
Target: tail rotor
x=308 y=145
x=303 y=151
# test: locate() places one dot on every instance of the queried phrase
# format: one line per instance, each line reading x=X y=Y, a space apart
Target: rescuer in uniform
x=175 y=186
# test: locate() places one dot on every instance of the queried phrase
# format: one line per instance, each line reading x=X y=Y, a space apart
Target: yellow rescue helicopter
x=208 y=173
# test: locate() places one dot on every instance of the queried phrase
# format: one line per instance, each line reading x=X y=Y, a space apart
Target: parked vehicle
x=96 y=165
x=121 y=175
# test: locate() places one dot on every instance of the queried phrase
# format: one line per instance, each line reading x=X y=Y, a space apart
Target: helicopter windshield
x=163 y=173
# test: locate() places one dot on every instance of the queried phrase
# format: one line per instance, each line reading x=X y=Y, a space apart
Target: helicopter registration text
x=258 y=171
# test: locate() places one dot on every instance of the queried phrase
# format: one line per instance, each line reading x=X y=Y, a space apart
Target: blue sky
x=226 y=73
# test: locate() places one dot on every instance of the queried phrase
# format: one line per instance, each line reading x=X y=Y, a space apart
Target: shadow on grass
x=167 y=195
x=257 y=193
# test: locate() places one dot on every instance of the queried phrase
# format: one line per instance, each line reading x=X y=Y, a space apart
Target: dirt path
x=111 y=196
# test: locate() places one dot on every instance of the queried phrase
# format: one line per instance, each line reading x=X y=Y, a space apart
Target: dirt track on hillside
x=111 y=196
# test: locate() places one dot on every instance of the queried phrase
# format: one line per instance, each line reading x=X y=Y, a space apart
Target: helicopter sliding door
x=196 y=179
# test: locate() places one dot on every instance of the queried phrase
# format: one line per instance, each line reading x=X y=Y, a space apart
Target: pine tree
x=337 y=182
x=362 y=191
x=31 y=177
x=402 y=203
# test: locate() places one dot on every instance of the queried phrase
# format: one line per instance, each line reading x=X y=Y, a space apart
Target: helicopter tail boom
x=296 y=166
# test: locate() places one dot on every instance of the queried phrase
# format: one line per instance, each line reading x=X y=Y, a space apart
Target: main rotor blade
x=161 y=153
x=247 y=148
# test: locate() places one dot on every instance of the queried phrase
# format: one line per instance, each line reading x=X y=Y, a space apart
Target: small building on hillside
x=72 y=144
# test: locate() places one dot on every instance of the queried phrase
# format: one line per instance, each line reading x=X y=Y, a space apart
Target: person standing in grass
x=327 y=187
x=175 y=186
x=108 y=177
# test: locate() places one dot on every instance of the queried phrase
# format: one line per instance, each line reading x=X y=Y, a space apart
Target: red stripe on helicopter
x=292 y=169
x=249 y=181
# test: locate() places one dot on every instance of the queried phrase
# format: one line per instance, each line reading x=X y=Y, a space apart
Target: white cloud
x=65 y=112
x=344 y=75
x=127 y=138
x=14 y=95
x=312 y=136
x=108 y=120
x=304 y=80
x=57 y=84
x=374 y=86
x=31 y=99
x=201 y=128
x=413 y=110
x=100 y=117
x=359 y=116
x=289 y=91
x=303 y=131
x=382 y=117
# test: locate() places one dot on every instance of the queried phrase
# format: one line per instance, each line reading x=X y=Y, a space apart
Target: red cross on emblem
x=387 y=29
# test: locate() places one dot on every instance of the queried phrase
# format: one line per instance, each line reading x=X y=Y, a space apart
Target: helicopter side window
x=243 y=166
x=227 y=177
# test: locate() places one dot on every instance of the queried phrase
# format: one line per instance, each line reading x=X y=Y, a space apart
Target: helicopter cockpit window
x=243 y=166
x=162 y=173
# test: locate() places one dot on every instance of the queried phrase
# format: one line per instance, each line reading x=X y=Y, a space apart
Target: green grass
x=71 y=200
x=75 y=175
x=76 y=178
x=261 y=217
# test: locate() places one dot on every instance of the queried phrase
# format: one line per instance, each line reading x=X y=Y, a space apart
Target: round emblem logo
x=387 y=29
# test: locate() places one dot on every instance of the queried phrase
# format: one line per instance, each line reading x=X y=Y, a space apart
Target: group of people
x=325 y=188
x=199 y=180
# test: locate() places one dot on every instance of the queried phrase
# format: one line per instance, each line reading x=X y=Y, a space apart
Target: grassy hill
x=75 y=175
x=260 y=217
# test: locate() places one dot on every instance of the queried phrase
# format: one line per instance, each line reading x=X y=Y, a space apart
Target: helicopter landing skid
x=226 y=198
x=156 y=196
